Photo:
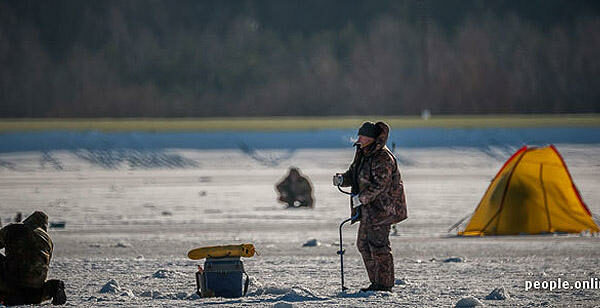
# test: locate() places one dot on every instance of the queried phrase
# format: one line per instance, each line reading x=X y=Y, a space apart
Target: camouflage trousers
x=373 y=243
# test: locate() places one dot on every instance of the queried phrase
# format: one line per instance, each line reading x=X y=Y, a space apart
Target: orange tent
x=532 y=193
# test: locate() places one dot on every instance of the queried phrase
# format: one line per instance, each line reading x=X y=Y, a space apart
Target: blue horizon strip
x=319 y=139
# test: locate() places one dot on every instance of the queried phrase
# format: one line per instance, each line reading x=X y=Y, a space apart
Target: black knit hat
x=369 y=129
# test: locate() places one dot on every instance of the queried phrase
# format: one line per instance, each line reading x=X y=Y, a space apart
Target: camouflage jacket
x=28 y=252
x=375 y=177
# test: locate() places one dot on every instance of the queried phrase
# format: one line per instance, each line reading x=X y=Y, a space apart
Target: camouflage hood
x=37 y=220
x=380 y=141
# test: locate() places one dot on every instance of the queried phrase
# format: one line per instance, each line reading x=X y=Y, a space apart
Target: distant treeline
x=167 y=58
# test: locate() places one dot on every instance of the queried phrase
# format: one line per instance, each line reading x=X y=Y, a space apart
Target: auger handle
x=342 y=251
x=345 y=192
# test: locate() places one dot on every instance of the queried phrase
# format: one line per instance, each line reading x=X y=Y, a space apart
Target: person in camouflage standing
x=295 y=190
x=24 y=268
x=378 y=191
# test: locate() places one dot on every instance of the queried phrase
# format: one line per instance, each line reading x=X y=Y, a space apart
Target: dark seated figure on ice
x=24 y=266
x=295 y=190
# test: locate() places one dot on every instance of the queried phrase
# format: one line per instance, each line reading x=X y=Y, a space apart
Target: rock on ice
x=454 y=259
x=112 y=286
x=468 y=301
x=312 y=243
x=163 y=273
x=127 y=293
x=498 y=294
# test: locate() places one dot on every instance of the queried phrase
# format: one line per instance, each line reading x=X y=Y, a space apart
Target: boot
x=376 y=287
x=371 y=287
x=383 y=288
x=57 y=291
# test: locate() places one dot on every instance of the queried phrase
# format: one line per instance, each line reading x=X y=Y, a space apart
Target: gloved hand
x=338 y=179
x=355 y=201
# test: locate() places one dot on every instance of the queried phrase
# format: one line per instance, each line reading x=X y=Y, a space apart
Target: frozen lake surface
x=132 y=215
x=314 y=139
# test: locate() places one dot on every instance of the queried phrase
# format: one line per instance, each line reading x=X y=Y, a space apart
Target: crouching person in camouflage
x=378 y=192
x=24 y=268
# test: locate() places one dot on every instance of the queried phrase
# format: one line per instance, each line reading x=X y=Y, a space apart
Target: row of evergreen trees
x=260 y=58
